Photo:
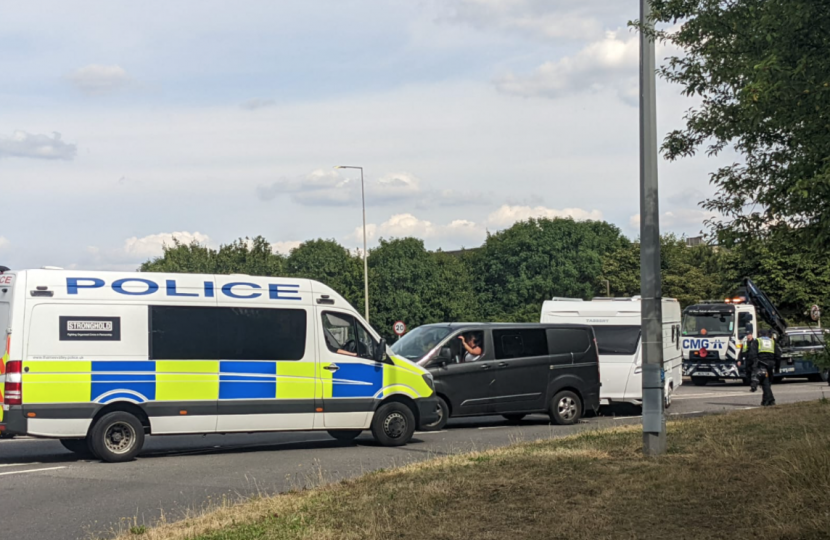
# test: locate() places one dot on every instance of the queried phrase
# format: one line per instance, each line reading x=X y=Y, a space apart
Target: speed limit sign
x=400 y=328
x=815 y=313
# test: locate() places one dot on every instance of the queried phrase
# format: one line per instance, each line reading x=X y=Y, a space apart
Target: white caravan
x=617 y=326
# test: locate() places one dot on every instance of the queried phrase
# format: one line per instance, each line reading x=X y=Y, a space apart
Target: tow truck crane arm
x=766 y=309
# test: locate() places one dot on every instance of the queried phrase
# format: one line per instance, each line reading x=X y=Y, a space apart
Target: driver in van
x=471 y=343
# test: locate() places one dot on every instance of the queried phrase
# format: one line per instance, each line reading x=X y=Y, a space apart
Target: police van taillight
x=13 y=390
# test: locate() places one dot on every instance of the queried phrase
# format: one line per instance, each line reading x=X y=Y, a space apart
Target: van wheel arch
x=405 y=400
x=123 y=406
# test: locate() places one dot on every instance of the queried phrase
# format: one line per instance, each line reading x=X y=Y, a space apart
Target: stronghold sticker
x=90 y=328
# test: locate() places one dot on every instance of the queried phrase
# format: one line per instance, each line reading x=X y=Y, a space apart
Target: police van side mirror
x=380 y=351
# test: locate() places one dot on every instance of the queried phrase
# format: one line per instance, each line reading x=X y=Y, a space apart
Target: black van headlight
x=429 y=381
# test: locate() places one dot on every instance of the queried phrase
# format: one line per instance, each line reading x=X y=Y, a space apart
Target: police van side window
x=345 y=335
x=218 y=333
x=520 y=343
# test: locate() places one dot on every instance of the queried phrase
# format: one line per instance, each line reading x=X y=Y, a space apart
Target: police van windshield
x=417 y=343
x=708 y=324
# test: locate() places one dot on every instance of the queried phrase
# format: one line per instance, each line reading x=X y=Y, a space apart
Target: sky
x=124 y=124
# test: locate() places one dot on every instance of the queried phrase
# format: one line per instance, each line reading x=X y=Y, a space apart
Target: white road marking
x=699 y=396
x=20 y=464
x=32 y=470
x=494 y=427
x=429 y=432
x=682 y=413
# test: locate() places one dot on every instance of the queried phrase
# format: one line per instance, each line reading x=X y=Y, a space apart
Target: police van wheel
x=565 y=408
x=443 y=416
x=117 y=437
x=345 y=435
x=700 y=381
x=393 y=424
x=78 y=446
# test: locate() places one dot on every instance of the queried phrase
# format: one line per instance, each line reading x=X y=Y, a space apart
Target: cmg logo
x=701 y=343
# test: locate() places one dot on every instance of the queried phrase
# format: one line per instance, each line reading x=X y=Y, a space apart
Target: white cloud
x=96 y=79
x=153 y=245
x=547 y=19
x=286 y=246
x=507 y=215
x=257 y=103
x=683 y=218
x=28 y=145
x=610 y=63
x=4 y=243
x=405 y=225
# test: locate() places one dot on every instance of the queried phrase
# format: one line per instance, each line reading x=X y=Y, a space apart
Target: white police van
x=617 y=325
x=101 y=359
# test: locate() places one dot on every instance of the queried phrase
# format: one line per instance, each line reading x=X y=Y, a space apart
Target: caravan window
x=219 y=333
x=617 y=340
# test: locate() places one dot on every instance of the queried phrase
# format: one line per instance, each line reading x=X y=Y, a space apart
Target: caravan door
x=619 y=349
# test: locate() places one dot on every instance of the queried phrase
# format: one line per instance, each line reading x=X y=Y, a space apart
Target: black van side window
x=224 y=333
x=568 y=340
x=520 y=343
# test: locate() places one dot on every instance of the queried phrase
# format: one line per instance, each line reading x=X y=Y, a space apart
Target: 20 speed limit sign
x=399 y=328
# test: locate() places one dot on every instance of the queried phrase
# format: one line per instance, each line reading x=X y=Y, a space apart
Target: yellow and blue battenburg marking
x=142 y=381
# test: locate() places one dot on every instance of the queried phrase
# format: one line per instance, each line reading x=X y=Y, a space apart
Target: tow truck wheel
x=700 y=381
x=117 y=437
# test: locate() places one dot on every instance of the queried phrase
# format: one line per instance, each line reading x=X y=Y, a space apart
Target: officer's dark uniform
x=763 y=359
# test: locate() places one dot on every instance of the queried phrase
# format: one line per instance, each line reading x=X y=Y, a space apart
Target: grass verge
x=763 y=473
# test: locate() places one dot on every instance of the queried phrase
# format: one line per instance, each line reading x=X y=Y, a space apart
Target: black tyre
x=4 y=435
x=700 y=381
x=79 y=447
x=816 y=377
x=444 y=416
x=117 y=437
x=393 y=424
x=565 y=408
x=345 y=435
x=514 y=418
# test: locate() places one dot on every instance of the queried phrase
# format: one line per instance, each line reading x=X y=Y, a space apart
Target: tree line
x=515 y=270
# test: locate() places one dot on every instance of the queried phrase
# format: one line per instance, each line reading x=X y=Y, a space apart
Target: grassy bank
x=750 y=474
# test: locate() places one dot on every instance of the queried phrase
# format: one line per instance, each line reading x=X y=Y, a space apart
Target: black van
x=507 y=369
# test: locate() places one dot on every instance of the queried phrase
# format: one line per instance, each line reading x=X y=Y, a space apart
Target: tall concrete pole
x=654 y=414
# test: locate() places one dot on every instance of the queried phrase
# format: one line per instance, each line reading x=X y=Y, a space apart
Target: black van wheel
x=565 y=408
x=345 y=435
x=78 y=446
x=514 y=418
x=700 y=381
x=393 y=424
x=117 y=437
x=443 y=416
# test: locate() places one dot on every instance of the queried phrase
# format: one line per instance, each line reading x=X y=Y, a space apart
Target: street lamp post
x=654 y=415
x=365 y=263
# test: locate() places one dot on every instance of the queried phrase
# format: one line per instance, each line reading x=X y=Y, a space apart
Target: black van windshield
x=617 y=340
x=417 y=343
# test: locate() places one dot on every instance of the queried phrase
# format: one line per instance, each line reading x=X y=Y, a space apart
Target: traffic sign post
x=399 y=328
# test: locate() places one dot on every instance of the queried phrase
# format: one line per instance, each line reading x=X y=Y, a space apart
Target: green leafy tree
x=792 y=277
x=243 y=256
x=761 y=71
x=409 y=283
x=328 y=262
x=518 y=268
x=184 y=258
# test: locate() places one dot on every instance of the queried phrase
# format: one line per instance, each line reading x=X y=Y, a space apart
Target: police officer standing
x=763 y=359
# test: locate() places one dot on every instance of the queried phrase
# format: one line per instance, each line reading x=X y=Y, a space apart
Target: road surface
x=46 y=493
